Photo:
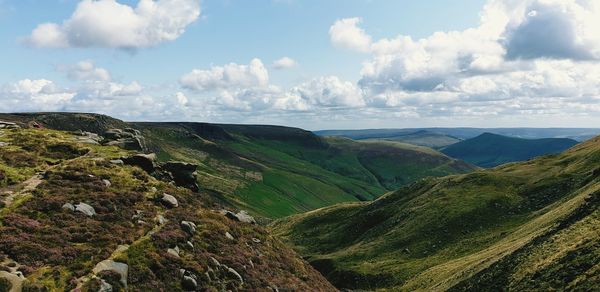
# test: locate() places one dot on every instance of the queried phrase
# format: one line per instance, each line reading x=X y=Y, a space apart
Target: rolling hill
x=489 y=150
x=522 y=226
x=423 y=138
x=273 y=171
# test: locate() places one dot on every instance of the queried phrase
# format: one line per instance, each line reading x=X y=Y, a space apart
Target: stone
x=189 y=281
x=243 y=216
x=169 y=201
x=160 y=220
x=106 y=183
x=182 y=174
x=190 y=245
x=132 y=131
x=117 y=162
x=189 y=227
x=109 y=265
x=113 y=134
x=229 y=236
x=147 y=162
x=215 y=262
x=105 y=286
x=8 y=125
x=85 y=209
x=173 y=251
x=255 y=240
x=69 y=206
x=235 y=274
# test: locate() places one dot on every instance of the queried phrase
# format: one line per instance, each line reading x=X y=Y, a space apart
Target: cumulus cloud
x=38 y=94
x=85 y=70
x=284 y=63
x=330 y=92
x=110 y=24
x=345 y=33
x=229 y=76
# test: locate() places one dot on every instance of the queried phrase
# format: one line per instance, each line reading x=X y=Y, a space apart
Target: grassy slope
x=489 y=150
x=55 y=246
x=423 y=138
x=440 y=232
x=278 y=171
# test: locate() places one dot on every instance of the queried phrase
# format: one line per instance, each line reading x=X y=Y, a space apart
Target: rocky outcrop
x=128 y=138
x=182 y=173
x=109 y=265
x=147 y=162
x=8 y=125
x=88 y=138
x=241 y=216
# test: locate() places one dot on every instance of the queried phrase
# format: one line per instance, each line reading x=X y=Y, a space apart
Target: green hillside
x=274 y=171
x=74 y=218
x=423 y=138
x=522 y=226
x=489 y=150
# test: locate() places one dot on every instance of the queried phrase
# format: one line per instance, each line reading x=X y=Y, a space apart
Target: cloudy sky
x=316 y=64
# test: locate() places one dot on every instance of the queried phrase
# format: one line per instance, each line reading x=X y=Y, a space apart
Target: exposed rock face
x=147 y=162
x=110 y=265
x=69 y=206
x=182 y=173
x=174 y=251
x=169 y=201
x=128 y=138
x=88 y=138
x=8 y=125
x=189 y=282
x=189 y=227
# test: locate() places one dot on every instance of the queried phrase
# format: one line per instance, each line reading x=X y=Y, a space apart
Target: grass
x=439 y=232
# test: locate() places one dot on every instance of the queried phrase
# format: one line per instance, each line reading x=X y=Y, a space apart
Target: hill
x=579 y=134
x=522 y=226
x=423 y=138
x=273 y=171
x=79 y=215
x=489 y=150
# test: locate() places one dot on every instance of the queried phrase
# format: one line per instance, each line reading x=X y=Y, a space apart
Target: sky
x=314 y=64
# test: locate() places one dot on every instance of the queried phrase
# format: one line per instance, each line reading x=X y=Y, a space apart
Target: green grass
x=439 y=232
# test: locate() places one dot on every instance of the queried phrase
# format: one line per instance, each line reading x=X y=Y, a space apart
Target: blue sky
x=351 y=64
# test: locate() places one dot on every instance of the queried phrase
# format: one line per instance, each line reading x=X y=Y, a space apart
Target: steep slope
x=72 y=216
x=529 y=225
x=275 y=171
x=489 y=150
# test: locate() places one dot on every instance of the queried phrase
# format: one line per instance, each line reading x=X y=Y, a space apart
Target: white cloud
x=229 y=76
x=37 y=94
x=109 y=24
x=182 y=100
x=330 y=92
x=284 y=63
x=345 y=33
x=85 y=70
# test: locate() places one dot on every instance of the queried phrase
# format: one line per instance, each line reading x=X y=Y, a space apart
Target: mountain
x=489 y=150
x=272 y=171
x=579 y=134
x=75 y=214
x=518 y=227
x=423 y=138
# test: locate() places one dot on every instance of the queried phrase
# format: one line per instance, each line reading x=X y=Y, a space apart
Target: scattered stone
x=215 y=262
x=189 y=227
x=88 y=138
x=169 y=201
x=160 y=220
x=242 y=216
x=229 y=236
x=147 y=162
x=85 y=209
x=110 y=265
x=189 y=282
x=117 y=161
x=106 y=183
x=190 y=245
x=255 y=240
x=129 y=139
x=8 y=125
x=235 y=274
x=173 y=251
x=69 y=206
x=105 y=286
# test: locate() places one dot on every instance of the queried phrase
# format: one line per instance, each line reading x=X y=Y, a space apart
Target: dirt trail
x=24 y=188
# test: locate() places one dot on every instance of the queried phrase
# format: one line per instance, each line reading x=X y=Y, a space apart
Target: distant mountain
x=529 y=226
x=489 y=150
x=423 y=138
x=579 y=134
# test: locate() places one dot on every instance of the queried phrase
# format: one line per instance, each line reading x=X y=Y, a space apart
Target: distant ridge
x=489 y=150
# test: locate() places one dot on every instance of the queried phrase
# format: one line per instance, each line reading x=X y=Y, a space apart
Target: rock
x=8 y=125
x=138 y=215
x=132 y=131
x=173 y=251
x=160 y=220
x=105 y=286
x=182 y=174
x=189 y=281
x=88 y=138
x=189 y=227
x=235 y=274
x=2 y=144
x=110 y=265
x=69 y=206
x=229 y=236
x=117 y=161
x=144 y=161
x=215 y=262
x=190 y=245
x=113 y=134
x=243 y=216
x=128 y=138
x=106 y=183
x=255 y=240
x=169 y=201
x=85 y=209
